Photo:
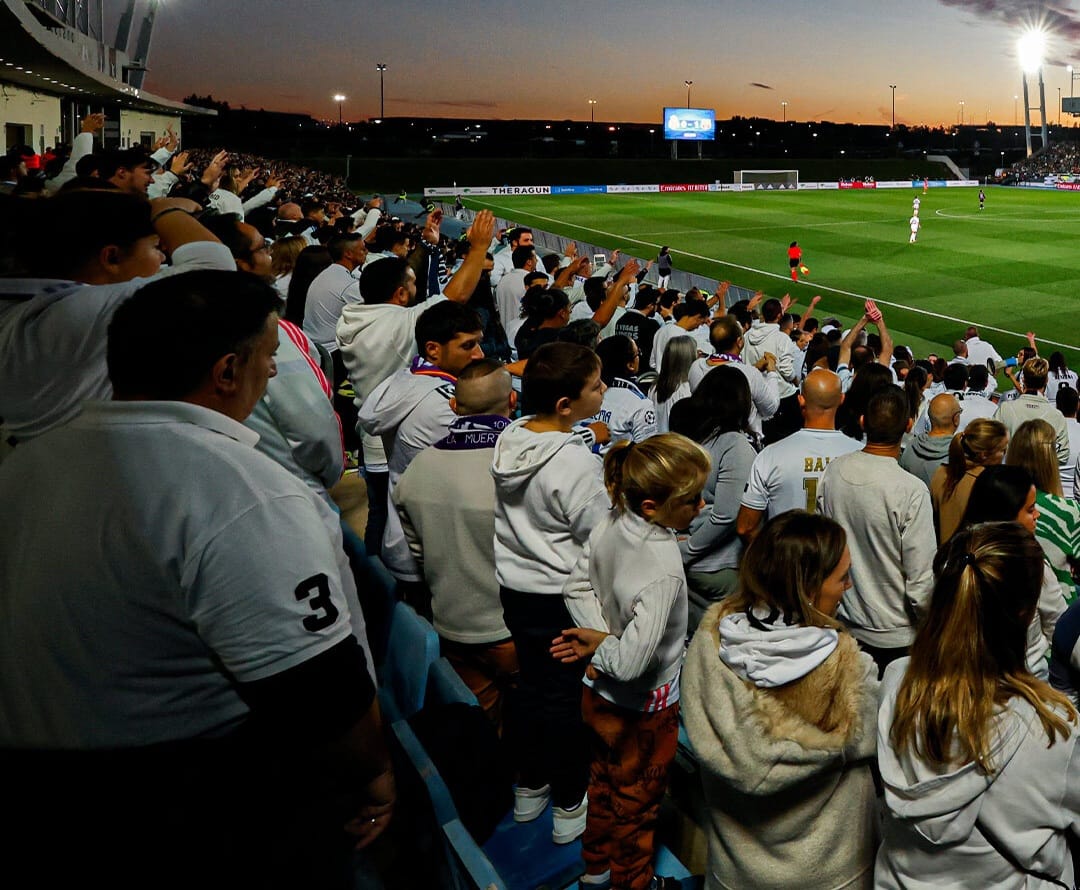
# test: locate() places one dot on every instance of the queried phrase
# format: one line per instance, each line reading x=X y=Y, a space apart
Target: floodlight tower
x=1031 y=48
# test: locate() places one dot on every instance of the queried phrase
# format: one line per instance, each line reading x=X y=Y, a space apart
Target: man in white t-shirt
x=201 y=632
x=785 y=475
x=332 y=289
x=914 y=224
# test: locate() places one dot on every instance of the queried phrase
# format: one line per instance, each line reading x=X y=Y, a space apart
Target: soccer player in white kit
x=915 y=204
x=915 y=224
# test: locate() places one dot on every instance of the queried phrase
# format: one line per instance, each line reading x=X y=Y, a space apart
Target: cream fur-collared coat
x=786 y=771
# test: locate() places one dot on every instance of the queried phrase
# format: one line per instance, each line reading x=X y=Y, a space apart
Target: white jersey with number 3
x=785 y=475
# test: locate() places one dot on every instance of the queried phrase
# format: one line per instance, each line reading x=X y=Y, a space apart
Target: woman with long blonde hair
x=1034 y=447
x=981 y=444
x=283 y=256
x=977 y=755
x=780 y=704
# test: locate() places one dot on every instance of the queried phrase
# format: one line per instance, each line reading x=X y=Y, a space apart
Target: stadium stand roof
x=40 y=52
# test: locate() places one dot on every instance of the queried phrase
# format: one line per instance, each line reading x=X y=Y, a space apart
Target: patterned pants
x=631 y=754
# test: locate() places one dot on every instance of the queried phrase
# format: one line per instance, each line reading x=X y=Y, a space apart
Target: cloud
x=760 y=86
x=1060 y=20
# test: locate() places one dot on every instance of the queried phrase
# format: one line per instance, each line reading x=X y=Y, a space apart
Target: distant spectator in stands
x=638 y=323
x=378 y=337
x=309 y=263
x=980 y=352
x=334 y=288
x=665 y=308
x=295 y=418
x=1067 y=402
x=688 y=317
x=283 y=254
x=111 y=244
x=726 y=336
x=960 y=352
x=929 y=450
x=1058 y=526
x=411 y=410
x=716 y=416
x=519 y=237
x=769 y=337
x=1033 y=404
x=983 y=444
x=867 y=381
x=127 y=169
x=673 y=383
x=1059 y=375
x=496 y=343
x=446 y=501
x=980 y=387
x=890 y=524
x=513 y=287
x=584 y=332
x=780 y=707
x=204 y=631
x=546 y=311
x=627 y=411
x=664 y=267
x=972 y=404
x=786 y=474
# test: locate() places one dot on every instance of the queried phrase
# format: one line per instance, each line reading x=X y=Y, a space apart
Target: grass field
x=1014 y=266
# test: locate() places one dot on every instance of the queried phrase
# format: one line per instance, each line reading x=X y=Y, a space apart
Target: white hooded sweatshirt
x=956 y=827
x=762 y=338
x=549 y=495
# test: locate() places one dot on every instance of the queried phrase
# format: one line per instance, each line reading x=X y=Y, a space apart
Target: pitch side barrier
x=487 y=191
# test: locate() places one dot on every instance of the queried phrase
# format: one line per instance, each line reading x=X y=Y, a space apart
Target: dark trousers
x=549 y=745
x=378 y=491
x=344 y=404
x=882 y=657
x=786 y=420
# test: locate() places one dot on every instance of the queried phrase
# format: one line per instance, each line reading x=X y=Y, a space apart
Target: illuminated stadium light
x=1031 y=49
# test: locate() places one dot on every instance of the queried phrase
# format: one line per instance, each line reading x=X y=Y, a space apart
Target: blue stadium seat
x=412 y=649
x=445 y=685
x=376 y=589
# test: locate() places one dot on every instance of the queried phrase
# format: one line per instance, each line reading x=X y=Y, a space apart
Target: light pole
x=784 y=106
x=381 y=68
x=1016 y=120
x=689 y=83
x=592 y=111
x=339 y=99
x=892 y=86
x=961 y=112
x=1059 y=106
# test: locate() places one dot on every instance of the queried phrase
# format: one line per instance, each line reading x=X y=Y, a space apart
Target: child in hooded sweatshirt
x=627 y=593
x=549 y=495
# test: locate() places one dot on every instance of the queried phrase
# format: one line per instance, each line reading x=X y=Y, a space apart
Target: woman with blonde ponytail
x=978 y=756
x=628 y=594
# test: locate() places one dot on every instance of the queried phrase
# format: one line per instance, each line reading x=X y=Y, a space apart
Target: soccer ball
x=804 y=269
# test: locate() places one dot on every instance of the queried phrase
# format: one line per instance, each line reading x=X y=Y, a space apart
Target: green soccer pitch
x=1014 y=266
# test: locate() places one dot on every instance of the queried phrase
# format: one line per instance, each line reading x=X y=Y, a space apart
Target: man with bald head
x=785 y=475
x=929 y=450
x=446 y=502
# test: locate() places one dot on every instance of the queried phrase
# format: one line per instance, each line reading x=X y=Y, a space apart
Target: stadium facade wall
x=133 y=124
x=29 y=118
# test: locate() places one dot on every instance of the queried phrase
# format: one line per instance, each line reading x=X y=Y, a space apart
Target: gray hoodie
x=549 y=495
x=956 y=827
x=762 y=338
x=924 y=454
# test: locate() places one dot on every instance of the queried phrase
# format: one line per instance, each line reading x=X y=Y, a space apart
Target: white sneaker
x=569 y=824
x=529 y=803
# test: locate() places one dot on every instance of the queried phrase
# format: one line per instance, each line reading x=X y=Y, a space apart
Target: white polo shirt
x=53 y=337
x=167 y=562
x=328 y=294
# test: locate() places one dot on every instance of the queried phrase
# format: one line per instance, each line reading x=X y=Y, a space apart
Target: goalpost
x=768 y=179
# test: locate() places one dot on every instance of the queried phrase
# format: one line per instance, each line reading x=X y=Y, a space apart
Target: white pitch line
x=825 y=225
x=818 y=287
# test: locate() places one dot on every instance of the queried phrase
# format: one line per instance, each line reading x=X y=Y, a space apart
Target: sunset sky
x=454 y=58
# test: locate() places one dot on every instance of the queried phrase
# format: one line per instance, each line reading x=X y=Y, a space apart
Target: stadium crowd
x=1057 y=159
x=571 y=472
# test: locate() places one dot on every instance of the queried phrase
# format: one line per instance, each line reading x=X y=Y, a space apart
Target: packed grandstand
x=365 y=540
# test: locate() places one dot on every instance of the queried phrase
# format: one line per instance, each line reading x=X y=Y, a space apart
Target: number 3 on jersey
x=325 y=612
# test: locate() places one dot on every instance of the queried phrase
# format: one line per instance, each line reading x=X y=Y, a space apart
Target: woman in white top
x=977 y=755
x=1059 y=375
x=283 y=256
x=673 y=383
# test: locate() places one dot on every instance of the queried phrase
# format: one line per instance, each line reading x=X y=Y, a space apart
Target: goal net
x=768 y=179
